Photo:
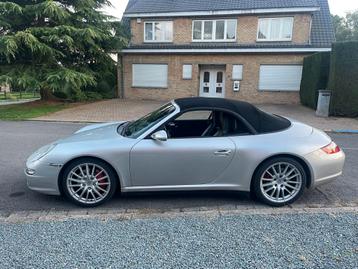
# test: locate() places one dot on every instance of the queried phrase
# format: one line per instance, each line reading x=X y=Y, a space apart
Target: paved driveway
x=117 y=109
x=104 y=111
x=19 y=139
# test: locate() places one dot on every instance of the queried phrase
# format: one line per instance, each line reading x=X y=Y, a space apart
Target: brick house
x=250 y=50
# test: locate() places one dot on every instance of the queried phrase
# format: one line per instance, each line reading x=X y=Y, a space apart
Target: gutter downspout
x=120 y=76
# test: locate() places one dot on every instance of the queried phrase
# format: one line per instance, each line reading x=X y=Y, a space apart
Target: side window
x=190 y=124
x=206 y=123
x=195 y=115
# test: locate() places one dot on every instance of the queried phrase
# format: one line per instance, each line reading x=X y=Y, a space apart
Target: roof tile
x=322 y=34
x=147 y=6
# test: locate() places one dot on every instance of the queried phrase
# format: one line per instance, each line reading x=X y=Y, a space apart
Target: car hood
x=94 y=132
x=98 y=126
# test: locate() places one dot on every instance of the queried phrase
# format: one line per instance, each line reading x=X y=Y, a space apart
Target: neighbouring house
x=250 y=50
x=5 y=88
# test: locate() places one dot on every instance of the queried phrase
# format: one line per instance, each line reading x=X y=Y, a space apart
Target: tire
x=279 y=181
x=90 y=187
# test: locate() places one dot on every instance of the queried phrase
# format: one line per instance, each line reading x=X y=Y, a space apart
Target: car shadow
x=158 y=201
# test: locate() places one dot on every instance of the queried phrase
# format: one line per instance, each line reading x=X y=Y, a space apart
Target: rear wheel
x=279 y=181
x=89 y=182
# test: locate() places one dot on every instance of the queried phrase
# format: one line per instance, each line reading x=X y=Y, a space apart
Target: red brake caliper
x=267 y=175
x=100 y=175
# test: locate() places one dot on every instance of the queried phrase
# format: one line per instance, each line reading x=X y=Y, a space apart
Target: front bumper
x=43 y=177
x=325 y=167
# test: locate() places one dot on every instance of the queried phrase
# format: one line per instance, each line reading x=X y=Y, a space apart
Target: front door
x=212 y=83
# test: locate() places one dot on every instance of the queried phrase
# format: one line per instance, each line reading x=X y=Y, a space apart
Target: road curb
x=345 y=131
x=22 y=101
x=121 y=215
x=63 y=121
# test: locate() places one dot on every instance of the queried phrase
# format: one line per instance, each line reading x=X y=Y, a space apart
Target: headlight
x=42 y=152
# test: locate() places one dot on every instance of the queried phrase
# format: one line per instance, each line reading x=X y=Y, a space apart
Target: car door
x=188 y=161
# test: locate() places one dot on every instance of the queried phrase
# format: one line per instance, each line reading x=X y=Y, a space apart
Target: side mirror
x=160 y=136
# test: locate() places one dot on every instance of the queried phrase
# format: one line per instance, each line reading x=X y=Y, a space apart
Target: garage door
x=150 y=75
x=280 y=77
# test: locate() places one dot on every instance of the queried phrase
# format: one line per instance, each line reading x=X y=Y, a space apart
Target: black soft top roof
x=262 y=122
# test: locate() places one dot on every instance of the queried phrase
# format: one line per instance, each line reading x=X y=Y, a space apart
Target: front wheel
x=279 y=181
x=89 y=182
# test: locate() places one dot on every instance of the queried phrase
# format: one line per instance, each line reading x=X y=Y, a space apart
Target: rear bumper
x=325 y=167
x=325 y=180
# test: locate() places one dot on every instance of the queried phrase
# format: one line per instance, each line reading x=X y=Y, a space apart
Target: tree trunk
x=47 y=95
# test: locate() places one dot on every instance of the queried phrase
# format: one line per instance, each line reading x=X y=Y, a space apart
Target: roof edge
x=223 y=12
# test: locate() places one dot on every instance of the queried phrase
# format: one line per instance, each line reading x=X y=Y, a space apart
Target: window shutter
x=150 y=75
x=187 y=71
x=280 y=77
x=237 y=71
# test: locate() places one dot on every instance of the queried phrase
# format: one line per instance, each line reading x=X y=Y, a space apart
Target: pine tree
x=62 y=45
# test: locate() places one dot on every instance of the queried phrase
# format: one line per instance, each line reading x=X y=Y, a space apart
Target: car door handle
x=223 y=152
x=172 y=124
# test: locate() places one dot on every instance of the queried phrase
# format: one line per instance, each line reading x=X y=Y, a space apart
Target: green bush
x=105 y=88
x=106 y=77
x=60 y=95
x=93 y=96
x=343 y=79
x=314 y=77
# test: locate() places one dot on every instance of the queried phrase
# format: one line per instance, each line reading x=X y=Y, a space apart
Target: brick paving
x=307 y=115
x=119 y=109
x=104 y=111
x=121 y=214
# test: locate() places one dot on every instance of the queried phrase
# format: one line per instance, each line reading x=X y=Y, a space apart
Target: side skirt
x=229 y=187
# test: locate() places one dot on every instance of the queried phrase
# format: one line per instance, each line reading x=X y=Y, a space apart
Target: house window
x=237 y=71
x=214 y=30
x=158 y=31
x=150 y=75
x=187 y=71
x=275 y=29
x=280 y=77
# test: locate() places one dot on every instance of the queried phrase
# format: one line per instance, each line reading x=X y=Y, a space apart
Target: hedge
x=343 y=79
x=314 y=77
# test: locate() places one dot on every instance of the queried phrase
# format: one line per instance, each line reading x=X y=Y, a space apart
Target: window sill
x=156 y=42
x=259 y=90
x=149 y=88
x=273 y=41
x=216 y=41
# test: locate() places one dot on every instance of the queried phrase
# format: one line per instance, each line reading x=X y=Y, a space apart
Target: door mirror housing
x=160 y=136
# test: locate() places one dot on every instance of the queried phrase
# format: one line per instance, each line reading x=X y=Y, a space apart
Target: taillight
x=332 y=148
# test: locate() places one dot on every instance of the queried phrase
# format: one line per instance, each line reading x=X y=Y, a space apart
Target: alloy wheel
x=281 y=182
x=88 y=183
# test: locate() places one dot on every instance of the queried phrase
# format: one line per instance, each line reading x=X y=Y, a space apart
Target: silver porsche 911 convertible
x=189 y=144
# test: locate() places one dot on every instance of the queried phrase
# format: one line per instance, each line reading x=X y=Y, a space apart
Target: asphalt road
x=305 y=240
x=19 y=139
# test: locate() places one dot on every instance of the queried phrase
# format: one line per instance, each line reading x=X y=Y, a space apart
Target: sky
x=338 y=7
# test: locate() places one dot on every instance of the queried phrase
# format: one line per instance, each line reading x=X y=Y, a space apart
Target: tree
x=61 y=45
x=346 y=28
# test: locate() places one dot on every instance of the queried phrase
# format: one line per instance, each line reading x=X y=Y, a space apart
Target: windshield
x=136 y=128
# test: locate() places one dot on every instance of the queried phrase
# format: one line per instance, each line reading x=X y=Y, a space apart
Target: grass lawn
x=16 y=96
x=30 y=110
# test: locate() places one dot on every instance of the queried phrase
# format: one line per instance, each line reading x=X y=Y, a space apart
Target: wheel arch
x=304 y=164
x=63 y=168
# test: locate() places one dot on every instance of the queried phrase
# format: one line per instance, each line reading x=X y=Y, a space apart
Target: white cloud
x=340 y=7
x=118 y=8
